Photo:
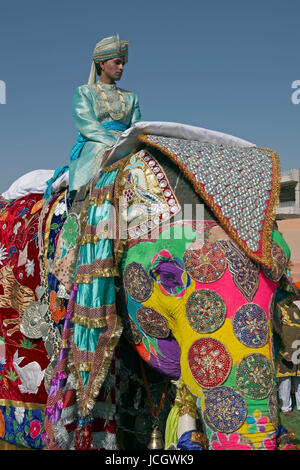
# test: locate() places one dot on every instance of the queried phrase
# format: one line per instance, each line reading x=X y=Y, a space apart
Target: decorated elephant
x=171 y=249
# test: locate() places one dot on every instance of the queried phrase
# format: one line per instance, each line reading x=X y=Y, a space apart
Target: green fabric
x=165 y=241
x=171 y=428
x=86 y=339
x=278 y=238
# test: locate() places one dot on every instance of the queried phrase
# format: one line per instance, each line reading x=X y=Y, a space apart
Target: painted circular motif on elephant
x=209 y=362
x=207 y=264
x=225 y=409
x=205 y=311
x=254 y=376
x=152 y=322
x=279 y=262
x=250 y=326
x=137 y=282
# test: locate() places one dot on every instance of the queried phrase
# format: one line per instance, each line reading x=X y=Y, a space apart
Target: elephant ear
x=240 y=185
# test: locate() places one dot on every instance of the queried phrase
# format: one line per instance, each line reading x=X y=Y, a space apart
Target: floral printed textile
x=22 y=427
x=23 y=360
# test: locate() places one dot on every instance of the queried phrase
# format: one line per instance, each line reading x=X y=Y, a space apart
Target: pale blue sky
x=226 y=65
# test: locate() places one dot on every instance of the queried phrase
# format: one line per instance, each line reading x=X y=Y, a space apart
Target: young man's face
x=112 y=69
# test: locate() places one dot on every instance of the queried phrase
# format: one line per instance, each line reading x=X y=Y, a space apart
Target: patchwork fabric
x=24 y=360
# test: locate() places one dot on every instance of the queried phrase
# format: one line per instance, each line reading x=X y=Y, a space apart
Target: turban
x=108 y=48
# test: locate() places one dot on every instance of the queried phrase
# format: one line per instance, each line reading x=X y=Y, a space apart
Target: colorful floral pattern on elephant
x=254 y=376
x=152 y=322
x=279 y=261
x=234 y=441
x=225 y=409
x=137 y=282
x=250 y=326
x=205 y=311
x=257 y=422
x=244 y=271
x=269 y=442
x=169 y=274
x=209 y=362
x=207 y=264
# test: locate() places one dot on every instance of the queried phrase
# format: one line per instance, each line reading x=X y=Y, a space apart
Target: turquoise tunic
x=91 y=115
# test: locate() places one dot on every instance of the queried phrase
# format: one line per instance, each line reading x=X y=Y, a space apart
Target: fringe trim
x=88 y=278
x=89 y=322
x=98 y=201
x=86 y=396
x=21 y=404
x=96 y=264
x=265 y=258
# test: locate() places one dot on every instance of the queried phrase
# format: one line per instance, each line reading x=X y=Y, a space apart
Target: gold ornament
x=115 y=115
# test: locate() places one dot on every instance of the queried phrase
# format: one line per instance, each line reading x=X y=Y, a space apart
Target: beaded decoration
x=279 y=261
x=205 y=311
x=225 y=409
x=152 y=322
x=273 y=407
x=137 y=282
x=117 y=115
x=207 y=264
x=245 y=273
x=250 y=326
x=241 y=186
x=149 y=200
x=254 y=376
x=131 y=331
x=209 y=362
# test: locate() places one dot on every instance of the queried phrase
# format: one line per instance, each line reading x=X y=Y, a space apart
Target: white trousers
x=284 y=392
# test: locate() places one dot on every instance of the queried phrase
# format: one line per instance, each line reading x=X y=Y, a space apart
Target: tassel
x=83 y=436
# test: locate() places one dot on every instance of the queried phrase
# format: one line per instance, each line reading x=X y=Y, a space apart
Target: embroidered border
x=264 y=257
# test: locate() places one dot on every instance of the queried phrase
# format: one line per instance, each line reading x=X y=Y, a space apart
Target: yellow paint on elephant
x=173 y=309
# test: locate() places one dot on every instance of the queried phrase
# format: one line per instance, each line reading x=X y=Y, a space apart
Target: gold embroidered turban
x=108 y=48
